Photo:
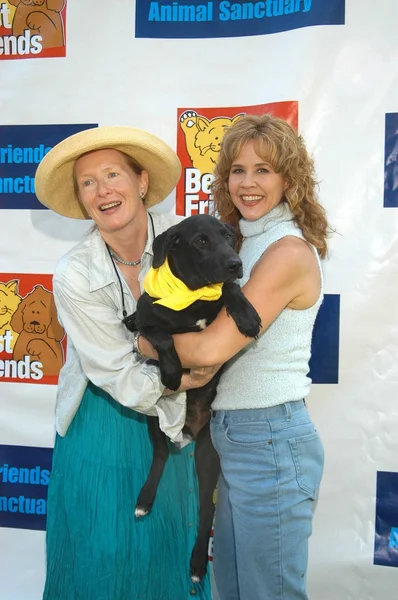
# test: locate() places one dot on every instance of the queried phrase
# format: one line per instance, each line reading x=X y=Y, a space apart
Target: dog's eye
x=201 y=241
x=228 y=235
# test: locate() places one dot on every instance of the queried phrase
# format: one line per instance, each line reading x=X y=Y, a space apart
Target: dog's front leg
x=243 y=313
x=169 y=362
x=161 y=452
x=207 y=465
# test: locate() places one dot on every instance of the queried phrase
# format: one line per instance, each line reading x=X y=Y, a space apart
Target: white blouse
x=99 y=347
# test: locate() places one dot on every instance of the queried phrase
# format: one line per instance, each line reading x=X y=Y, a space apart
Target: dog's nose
x=34 y=323
x=234 y=265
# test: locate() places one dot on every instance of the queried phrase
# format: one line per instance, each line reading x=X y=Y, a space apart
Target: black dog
x=200 y=251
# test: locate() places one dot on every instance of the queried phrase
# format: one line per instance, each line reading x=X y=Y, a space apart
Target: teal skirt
x=96 y=548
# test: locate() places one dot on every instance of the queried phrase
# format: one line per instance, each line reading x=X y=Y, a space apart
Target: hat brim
x=54 y=184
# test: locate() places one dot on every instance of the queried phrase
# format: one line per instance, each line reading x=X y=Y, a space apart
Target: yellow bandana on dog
x=173 y=293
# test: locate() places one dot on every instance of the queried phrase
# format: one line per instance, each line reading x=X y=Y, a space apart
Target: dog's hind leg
x=161 y=451
x=207 y=468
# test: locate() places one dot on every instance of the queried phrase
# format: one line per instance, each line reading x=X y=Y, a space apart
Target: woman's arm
x=102 y=342
x=104 y=346
x=195 y=378
x=286 y=275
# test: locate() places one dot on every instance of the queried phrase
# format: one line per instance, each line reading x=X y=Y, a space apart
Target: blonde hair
x=279 y=144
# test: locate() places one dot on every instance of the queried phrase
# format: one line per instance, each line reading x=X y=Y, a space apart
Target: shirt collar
x=101 y=267
x=151 y=233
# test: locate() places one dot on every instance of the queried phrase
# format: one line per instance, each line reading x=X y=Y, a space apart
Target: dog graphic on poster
x=41 y=17
x=40 y=333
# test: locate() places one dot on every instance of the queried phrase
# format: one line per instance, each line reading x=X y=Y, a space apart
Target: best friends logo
x=222 y=18
x=24 y=477
x=199 y=135
x=22 y=148
x=32 y=341
x=32 y=29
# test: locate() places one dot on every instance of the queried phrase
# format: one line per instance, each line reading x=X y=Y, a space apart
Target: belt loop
x=288 y=411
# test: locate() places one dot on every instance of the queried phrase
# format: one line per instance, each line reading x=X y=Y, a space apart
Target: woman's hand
x=199 y=376
x=195 y=378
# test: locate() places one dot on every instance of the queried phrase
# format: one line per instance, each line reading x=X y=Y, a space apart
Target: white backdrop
x=344 y=78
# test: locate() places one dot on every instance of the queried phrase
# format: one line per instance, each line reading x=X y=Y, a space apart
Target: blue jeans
x=271 y=468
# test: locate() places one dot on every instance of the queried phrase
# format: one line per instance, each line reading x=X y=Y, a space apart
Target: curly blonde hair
x=279 y=144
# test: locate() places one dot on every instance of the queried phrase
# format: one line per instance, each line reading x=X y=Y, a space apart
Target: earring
x=142 y=196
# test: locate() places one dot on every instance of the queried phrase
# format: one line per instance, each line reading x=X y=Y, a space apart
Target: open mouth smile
x=104 y=207
x=251 y=199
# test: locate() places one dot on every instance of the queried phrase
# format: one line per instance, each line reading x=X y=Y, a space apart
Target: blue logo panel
x=24 y=476
x=21 y=149
x=386 y=536
x=391 y=161
x=324 y=363
x=222 y=18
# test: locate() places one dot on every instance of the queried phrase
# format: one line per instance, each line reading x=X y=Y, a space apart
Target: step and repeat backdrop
x=185 y=71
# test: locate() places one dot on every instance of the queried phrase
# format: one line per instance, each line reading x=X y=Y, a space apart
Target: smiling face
x=109 y=189
x=254 y=187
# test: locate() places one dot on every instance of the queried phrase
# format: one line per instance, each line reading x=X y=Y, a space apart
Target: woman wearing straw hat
x=96 y=547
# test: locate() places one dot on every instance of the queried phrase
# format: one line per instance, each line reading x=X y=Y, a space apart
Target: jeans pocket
x=308 y=457
x=249 y=434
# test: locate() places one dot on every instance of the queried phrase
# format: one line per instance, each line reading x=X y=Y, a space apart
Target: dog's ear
x=55 y=331
x=162 y=245
x=16 y=321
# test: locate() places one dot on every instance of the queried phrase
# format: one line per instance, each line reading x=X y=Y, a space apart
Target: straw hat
x=54 y=176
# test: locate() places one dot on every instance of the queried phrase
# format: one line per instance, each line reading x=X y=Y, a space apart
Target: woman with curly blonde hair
x=286 y=151
x=270 y=452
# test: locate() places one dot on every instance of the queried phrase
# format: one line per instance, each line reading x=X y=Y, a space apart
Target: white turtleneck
x=273 y=369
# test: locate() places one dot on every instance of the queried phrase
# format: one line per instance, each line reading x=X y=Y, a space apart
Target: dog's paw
x=141 y=511
x=170 y=376
x=248 y=321
x=241 y=310
x=198 y=564
x=171 y=382
x=250 y=328
x=144 y=502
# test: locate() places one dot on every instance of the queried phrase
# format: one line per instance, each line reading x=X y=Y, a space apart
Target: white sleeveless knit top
x=273 y=369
